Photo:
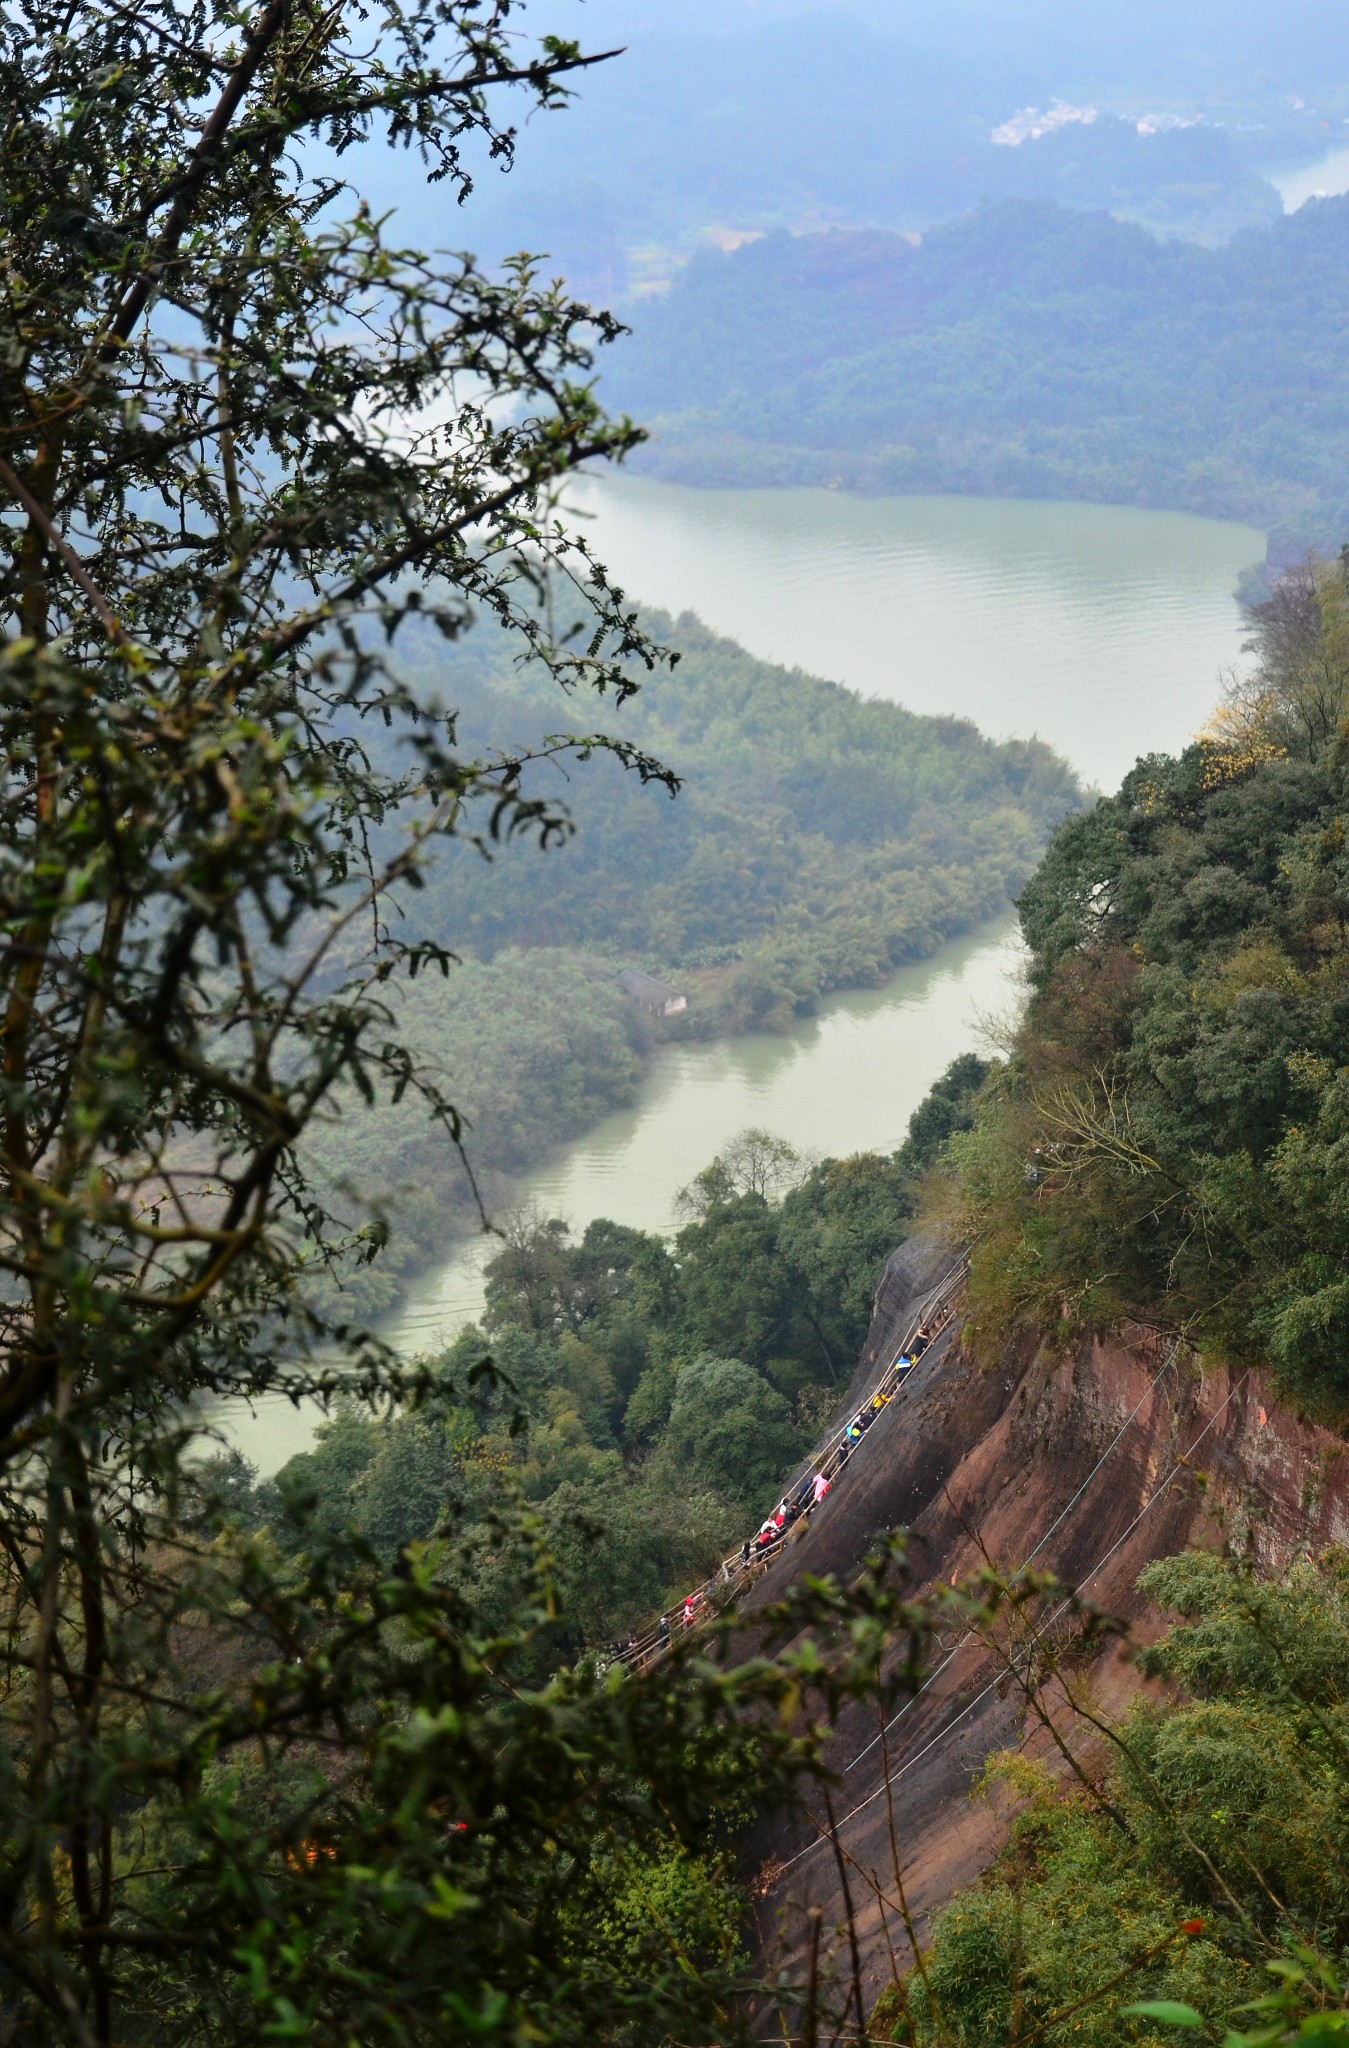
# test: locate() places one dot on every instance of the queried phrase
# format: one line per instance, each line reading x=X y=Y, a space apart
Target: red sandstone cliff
x=1092 y=1462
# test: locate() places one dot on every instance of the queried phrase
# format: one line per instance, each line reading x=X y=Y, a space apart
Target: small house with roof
x=652 y=995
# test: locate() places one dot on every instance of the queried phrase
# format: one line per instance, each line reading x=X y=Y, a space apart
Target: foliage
x=778 y=1274
x=313 y=1762
x=197 y=916
x=255 y=1789
x=1026 y=350
x=649 y=1399
x=1214 y=1850
x=1167 y=1137
x=479 y=1861
x=727 y=1431
x=534 y=1046
x=820 y=838
x=1294 y=701
x=819 y=841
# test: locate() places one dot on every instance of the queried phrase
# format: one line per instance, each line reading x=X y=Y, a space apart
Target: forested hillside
x=819 y=840
x=1157 y=1170
x=651 y=1397
x=876 y=114
x=1190 y=1887
x=1168 y=1139
x=1026 y=350
x=324 y=1763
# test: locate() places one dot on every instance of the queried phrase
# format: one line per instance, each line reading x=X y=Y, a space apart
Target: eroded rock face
x=1087 y=1463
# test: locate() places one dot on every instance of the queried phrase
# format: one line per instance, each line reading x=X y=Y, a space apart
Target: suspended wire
x=1058 y=1521
x=892 y=1776
x=927 y=1322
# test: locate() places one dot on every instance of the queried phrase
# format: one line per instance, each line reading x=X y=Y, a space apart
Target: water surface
x=1325 y=179
x=1104 y=629
x=846 y=1080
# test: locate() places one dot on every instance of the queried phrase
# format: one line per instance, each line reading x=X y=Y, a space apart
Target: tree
x=736 y=1294
x=246 y=442
x=404 y=1492
x=728 y=1430
x=835 y=1233
x=1294 y=700
x=1208 y=1852
x=754 y=1163
x=247 y=439
x=529 y=1280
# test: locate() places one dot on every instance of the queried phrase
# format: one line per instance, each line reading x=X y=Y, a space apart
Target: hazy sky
x=1174 y=44
x=738 y=116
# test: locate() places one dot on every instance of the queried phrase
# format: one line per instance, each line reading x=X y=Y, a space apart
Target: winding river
x=1105 y=630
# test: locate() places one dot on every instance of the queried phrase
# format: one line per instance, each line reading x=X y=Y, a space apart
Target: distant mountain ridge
x=740 y=118
x=1026 y=350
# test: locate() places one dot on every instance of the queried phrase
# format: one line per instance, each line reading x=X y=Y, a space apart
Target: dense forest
x=648 y=1399
x=1168 y=1135
x=1026 y=350
x=537 y=1047
x=1162 y=1139
x=818 y=841
x=324 y=1762
x=1194 y=1890
x=1165 y=1139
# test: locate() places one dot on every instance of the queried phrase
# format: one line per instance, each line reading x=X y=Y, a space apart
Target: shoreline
x=697 y=1028
x=723 y=463
x=846 y=1081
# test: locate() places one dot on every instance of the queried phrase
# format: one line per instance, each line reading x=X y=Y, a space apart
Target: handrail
x=800 y=1501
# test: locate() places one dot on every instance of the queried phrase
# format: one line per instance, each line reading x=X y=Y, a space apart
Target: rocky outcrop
x=1087 y=1463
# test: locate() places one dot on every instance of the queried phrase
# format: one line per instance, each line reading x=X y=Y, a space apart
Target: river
x=1104 y=629
x=845 y=1080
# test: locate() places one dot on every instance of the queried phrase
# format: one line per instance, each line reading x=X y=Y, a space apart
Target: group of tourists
x=790 y=1519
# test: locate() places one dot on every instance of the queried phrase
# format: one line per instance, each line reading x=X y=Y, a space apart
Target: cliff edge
x=1086 y=1462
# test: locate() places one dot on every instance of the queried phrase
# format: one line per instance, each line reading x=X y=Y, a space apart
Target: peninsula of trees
x=819 y=841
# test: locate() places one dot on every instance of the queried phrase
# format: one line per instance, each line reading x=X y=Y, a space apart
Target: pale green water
x=844 y=1081
x=1103 y=629
x=847 y=1080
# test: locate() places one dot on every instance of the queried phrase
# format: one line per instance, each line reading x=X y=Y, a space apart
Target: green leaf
x=1167 y=2011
